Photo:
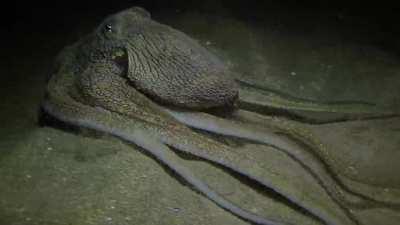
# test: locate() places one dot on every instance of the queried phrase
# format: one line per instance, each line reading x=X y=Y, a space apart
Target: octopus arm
x=315 y=167
x=122 y=127
x=302 y=155
x=102 y=87
x=263 y=99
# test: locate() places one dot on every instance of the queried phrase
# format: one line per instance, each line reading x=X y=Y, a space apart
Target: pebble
x=176 y=209
x=128 y=218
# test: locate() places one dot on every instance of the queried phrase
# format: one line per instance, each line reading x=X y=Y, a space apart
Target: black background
x=22 y=18
x=53 y=14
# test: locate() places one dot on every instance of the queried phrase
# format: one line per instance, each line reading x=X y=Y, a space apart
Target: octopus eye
x=108 y=28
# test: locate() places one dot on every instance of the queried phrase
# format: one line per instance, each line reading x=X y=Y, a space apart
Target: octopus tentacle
x=315 y=164
x=231 y=128
x=114 y=94
x=299 y=131
x=332 y=106
x=262 y=99
x=315 y=167
x=325 y=211
x=107 y=122
x=117 y=117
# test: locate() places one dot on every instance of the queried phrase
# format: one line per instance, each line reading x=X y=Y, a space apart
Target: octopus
x=155 y=87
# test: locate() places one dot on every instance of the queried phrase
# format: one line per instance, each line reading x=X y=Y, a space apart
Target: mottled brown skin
x=119 y=79
x=163 y=63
